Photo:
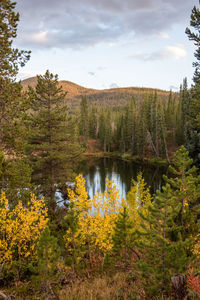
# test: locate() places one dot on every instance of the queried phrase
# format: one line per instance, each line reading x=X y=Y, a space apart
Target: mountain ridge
x=108 y=97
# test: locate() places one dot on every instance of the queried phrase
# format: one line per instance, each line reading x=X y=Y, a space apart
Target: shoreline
x=152 y=161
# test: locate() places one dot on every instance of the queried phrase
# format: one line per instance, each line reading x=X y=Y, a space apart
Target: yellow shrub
x=20 y=228
x=96 y=216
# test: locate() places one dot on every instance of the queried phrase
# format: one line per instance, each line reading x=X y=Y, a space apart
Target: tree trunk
x=179 y=286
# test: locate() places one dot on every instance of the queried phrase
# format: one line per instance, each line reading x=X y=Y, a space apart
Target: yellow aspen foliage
x=79 y=197
x=138 y=199
x=20 y=228
x=96 y=216
x=105 y=208
x=196 y=249
x=75 y=236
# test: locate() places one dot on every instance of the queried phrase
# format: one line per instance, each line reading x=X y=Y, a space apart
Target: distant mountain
x=106 y=97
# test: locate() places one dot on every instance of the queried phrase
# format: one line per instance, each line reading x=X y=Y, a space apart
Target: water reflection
x=121 y=172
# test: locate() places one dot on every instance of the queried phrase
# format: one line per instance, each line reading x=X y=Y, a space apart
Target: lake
x=95 y=172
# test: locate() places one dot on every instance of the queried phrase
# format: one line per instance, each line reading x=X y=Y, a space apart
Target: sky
x=108 y=43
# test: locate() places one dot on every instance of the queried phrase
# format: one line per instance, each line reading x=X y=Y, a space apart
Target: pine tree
x=186 y=188
x=93 y=123
x=180 y=119
x=52 y=144
x=162 y=133
x=10 y=58
x=105 y=131
x=185 y=102
x=48 y=254
x=130 y=126
x=150 y=111
x=155 y=122
x=170 y=112
x=141 y=134
x=182 y=116
x=102 y=130
x=193 y=125
x=11 y=100
x=194 y=36
x=16 y=180
x=169 y=230
x=84 y=123
x=75 y=248
x=122 y=238
x=122 y=134
x=162 y=257
x=108 y=132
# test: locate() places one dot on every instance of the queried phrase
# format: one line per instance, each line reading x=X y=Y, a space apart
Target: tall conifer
x=52 y=143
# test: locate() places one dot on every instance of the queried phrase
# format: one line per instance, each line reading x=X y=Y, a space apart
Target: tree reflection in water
x=121 y=172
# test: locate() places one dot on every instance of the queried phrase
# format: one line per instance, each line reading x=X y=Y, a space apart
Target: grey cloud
x=75 y=24
x=173 y=88
x=172 y=51
x=113 y=85
x=157 y=55
x=91 y=73
x=100 y=68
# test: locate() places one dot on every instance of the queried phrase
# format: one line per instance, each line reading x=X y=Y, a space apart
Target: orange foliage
x=193 y=282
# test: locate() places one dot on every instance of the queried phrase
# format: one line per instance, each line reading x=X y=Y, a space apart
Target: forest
x=146 y=246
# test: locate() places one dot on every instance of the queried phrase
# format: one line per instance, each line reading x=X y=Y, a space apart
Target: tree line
x=150 y=126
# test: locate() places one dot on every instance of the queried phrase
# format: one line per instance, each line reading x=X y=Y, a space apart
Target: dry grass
x=103 y=288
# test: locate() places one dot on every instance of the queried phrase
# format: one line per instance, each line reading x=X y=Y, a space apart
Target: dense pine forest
x=152 y=126
x=146 y=246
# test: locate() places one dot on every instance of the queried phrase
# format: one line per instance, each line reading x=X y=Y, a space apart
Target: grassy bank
x=152 y=161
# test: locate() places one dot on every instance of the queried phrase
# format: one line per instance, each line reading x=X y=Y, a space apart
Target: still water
x=95 y=172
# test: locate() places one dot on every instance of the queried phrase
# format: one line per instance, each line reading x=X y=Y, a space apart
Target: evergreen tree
x=93 y=123
x=84 y=124
x=182 y=116
x=193 y=125
x=126 y=129
x=122 y=237
x=155 y=122
x=105 y=131
x=11 y=100
x=52 y=141
x=10 y=58
x=194 y=36
x=162 y=133
x=150 y=111
x=171 y=225
x=76 y=250
x=133 y=125
x=185 y=102
x=15 y=173
x=122 y=134
x=16 y=180
x=170 y=112
x=186 y=188
x=162 y=257
x=129 y=127
x=102 y=130
x=141 y=134
x=48 y=254
x=180 y=120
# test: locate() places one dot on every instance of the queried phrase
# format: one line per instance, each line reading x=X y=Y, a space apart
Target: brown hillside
x=106 y=97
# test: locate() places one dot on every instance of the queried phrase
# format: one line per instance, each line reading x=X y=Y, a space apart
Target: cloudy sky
x=108 y=43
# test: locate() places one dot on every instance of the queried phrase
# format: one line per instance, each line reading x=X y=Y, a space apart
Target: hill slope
x=106 y=97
